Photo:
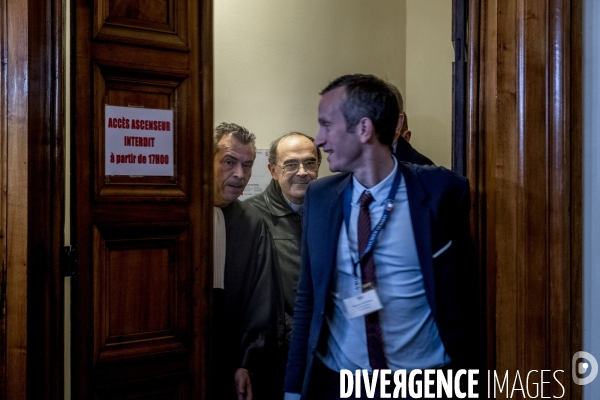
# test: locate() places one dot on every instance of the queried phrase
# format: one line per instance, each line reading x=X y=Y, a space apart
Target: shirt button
x=296 y=218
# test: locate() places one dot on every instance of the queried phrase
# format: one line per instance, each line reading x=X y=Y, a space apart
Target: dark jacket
x=405 y=152
x=439 y=210
x=247 y=313
x=285 y=225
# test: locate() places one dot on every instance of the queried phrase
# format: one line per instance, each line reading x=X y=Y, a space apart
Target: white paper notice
x=138 y=141
x=261 y=177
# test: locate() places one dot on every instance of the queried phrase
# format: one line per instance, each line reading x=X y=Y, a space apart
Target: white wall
x=273 y=57
x=591 y=188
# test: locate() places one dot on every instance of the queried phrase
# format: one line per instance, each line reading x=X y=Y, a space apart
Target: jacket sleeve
x=303 y=310
x=459 y=310
x=469 y=299
x=263 y=307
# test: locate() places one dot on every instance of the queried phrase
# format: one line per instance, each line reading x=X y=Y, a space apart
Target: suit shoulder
x=327 y=182
x=420 y=159
x=440 y=177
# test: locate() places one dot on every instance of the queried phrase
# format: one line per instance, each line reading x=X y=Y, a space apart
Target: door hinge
x=69 y=260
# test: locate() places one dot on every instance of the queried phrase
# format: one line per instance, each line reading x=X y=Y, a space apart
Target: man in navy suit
x=403 y=150
x=414 y=313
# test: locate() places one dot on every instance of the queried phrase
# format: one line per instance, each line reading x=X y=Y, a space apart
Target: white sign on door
x=138 y=141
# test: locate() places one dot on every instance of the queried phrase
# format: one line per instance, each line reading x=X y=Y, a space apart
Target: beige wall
x=272 y=57
x=428 y=93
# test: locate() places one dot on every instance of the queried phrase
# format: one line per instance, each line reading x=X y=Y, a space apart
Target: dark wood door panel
x=132 y=57
x=140 y=298
x=146 y=212
x=160 y=23
x=129 y=85
x=142 y=281
x=160 y=378
x=154 y=11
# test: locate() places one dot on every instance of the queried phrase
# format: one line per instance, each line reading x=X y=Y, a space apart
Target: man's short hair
x=396 y=92
x=275 y=143
x=240 y=134
x=371 y=97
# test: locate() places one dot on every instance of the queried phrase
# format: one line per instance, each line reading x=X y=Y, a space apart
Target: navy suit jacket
x=439 y=202
x=405 y=152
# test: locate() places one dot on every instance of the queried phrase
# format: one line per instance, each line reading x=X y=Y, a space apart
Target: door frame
x=32 y=205
x=524 y=162
x=32 y=178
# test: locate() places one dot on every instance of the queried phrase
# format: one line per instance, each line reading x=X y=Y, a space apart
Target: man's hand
x=243 y=385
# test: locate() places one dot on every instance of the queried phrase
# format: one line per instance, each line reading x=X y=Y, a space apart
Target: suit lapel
x=332 y=231
x=421 y=221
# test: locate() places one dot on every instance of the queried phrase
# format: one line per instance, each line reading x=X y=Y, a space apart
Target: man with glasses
x=247 y=298
x=293 y=162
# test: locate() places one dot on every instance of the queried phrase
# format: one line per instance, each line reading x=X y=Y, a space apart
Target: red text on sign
x=138 y=141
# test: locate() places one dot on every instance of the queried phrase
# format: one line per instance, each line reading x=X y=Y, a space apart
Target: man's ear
x=365 y=130
x=397 y=134
x=400 y=122
x=407 y=135
x=272 y=170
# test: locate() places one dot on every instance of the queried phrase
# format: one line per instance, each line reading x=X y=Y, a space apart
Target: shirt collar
x=276 y=201
x=294 y=206
x=379 y=191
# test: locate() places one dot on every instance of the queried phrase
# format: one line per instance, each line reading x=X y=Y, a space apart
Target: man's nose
x=320 y=139
x=238 y=170
x=301 y=170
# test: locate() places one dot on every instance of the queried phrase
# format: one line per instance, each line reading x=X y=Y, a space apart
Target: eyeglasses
x=292 y=168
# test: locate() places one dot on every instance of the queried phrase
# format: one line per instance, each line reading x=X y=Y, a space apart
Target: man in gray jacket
x=293 y=162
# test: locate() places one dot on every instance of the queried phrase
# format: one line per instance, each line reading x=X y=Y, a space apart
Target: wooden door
x=140 y=297
x=524 y=138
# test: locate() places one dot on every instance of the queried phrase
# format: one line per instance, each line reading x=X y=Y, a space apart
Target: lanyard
x=386 y=213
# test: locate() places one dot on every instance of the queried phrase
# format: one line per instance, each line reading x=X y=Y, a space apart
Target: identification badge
x=362 y=304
